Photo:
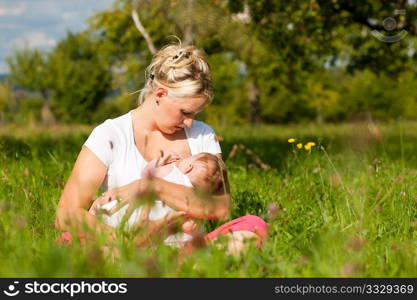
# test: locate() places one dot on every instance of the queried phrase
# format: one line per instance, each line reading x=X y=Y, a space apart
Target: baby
x=202 y=171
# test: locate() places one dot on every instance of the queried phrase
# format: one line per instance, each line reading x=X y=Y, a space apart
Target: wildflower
x=307 y=147
x=312 y=144
x=291 y=140
x=299 y=145
x=273 y=211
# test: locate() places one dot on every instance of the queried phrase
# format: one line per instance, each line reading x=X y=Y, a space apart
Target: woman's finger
x=118 y=206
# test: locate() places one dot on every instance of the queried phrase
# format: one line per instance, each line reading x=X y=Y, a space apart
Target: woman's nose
x=188 y=122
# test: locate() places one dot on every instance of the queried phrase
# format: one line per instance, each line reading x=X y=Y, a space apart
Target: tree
x=81 y=77
x=307 y=37
x=29 y=69
x=206 y=24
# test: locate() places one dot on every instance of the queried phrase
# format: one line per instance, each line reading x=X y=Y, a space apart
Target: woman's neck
x=142 y=118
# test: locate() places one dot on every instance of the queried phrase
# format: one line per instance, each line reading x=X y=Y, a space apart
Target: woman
x=178 y=87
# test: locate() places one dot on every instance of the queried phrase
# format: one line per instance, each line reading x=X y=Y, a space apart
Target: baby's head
x=204 y=170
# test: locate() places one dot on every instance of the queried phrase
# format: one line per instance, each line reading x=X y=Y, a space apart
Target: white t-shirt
x=158 y=211
x=114 y=144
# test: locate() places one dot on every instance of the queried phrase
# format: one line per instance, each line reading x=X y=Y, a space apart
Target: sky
x=42 y=23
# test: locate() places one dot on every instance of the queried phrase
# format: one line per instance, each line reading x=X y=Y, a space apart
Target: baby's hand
x=189 y=226
x=167 y=157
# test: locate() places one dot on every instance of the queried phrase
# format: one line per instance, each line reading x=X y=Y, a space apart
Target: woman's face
x=173 y=115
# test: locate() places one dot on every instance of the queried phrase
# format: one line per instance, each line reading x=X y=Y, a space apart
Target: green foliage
x=230 y=105
x=10 y=106
x=305 y=38
x=29 y=69
x=380 y=95
x=114 y=108
x=5 y=99
x=273 y=61
x=74 y=75
x=81 y=78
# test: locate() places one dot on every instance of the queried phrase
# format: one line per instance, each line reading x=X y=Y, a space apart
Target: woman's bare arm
x=179 y=197
x=87 y=175
x=196 y=205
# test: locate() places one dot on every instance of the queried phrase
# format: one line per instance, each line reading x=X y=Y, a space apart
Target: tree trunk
x=47 y=116
x=142 y=29
x=189 y=30
x=253 y=93
x=319 y=117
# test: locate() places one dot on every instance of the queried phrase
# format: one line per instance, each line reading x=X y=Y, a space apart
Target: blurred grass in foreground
x=346 y=208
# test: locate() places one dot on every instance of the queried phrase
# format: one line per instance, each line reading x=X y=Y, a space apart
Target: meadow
x=345 y=208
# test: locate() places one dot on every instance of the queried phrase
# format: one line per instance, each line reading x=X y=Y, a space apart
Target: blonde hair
x=182 y=70
x=212 y=180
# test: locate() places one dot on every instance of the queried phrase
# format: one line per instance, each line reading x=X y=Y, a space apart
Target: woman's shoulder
x=108 y=137
x=201 y=128
x=116 y=126
x=112 y=131
x=202 y=138
x=123 y=122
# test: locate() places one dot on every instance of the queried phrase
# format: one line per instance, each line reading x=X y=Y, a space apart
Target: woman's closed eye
x=186 y=113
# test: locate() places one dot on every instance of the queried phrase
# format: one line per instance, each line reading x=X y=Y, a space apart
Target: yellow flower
x=291 y=140
x=312 y=144
x=299 y=145
x=307 y=147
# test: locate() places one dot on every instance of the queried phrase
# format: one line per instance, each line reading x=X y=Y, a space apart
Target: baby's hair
x=182 y=69
x=213 y=179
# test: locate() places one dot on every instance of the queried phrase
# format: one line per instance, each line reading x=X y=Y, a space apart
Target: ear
x=161 y=92
x=188 y=169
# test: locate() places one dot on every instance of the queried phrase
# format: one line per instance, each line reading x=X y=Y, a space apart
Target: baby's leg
x=240 y=233
x=239 y=241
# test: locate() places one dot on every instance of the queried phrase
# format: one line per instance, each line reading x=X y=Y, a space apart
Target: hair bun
x=181 y=54
x=184 y=70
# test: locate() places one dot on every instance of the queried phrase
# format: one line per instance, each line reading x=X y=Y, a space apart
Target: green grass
x=347 y=208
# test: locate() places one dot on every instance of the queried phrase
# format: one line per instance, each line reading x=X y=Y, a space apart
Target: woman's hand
x=138 y=189
x=99 y=201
